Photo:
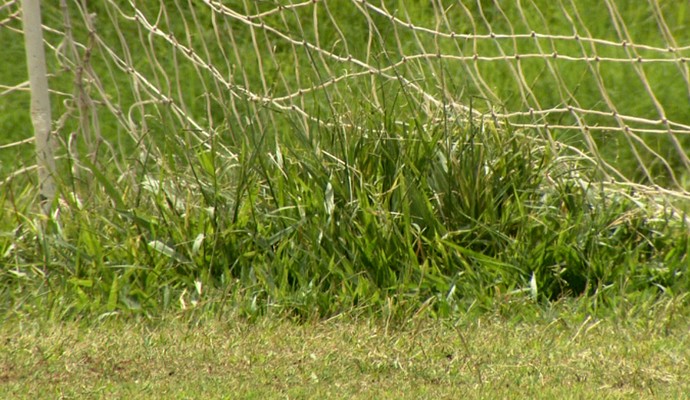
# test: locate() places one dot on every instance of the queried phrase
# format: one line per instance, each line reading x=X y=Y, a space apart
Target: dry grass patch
x=484 y=358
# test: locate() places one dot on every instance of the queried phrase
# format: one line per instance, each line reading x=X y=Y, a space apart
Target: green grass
x=269 y=64
x=367 y=203
x=565 y=354
x=379 y=249
x=452 y=215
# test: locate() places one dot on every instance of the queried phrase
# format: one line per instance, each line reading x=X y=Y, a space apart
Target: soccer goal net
x=609 y=79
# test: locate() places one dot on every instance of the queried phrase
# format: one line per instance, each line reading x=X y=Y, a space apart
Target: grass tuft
x=444 y=216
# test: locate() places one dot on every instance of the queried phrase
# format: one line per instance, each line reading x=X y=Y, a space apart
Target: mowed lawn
x=491 y=357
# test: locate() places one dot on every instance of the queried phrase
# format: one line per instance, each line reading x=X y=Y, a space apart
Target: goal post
x=41 y=117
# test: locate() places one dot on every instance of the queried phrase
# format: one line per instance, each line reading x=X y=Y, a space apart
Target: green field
x=564 y=354
x=369 y=246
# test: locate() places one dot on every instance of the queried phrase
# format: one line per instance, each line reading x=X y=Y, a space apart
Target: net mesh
x=610 y=78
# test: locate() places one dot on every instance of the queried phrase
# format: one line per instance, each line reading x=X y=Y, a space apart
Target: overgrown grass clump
x=367 y=203
x=450 y=215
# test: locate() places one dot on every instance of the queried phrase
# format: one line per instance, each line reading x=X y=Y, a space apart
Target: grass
x=376 y=249
x=567 y=354
x=366 y=203
x=373 y=198
x=269 y=64
x=450 y=216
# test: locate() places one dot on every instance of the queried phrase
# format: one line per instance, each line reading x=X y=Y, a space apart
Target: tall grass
x=445 y=215
x=371 y=205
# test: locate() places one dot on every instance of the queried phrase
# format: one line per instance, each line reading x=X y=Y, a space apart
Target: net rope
x=612 y=82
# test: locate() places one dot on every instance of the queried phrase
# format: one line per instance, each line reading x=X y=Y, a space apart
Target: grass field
x=375 y=250
x=564 y=354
